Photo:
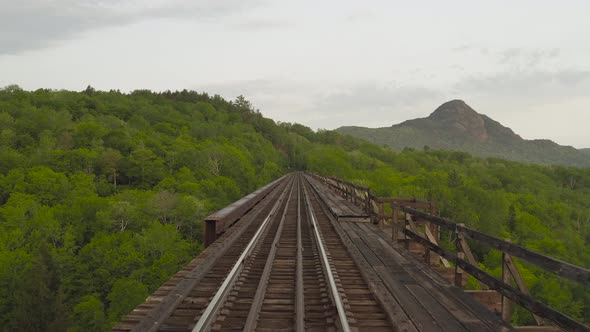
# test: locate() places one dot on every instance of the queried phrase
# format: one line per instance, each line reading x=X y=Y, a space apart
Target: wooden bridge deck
x=419 y=298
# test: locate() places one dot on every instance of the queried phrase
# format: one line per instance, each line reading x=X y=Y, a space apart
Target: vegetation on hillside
x=102 y=196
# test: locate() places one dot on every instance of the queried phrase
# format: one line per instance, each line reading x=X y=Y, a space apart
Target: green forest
x=102 y=196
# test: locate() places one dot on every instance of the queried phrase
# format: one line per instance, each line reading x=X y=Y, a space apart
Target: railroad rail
x=286 y=270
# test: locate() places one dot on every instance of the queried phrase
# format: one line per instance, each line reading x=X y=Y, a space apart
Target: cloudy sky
x=320 y=63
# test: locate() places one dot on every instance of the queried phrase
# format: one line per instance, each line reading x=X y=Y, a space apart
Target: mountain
x=456 y=126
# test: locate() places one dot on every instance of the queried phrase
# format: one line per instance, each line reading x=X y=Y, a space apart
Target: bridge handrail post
x=406 y=226
x=368 y=202
x=394 y=223
x=506 y=303
x=460 y=255
x=381 y=213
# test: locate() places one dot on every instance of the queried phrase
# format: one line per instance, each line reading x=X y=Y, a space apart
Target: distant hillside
x=456 y=126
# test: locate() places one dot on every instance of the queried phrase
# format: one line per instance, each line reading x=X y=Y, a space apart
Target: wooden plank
x=396 y=285
x=443 y=318
x=470 y=314
x=537 y=329
x=338 y=206
x=392 y=308
x=398 y=281
x=367 y=253
x=467 y=307
x=489 y=298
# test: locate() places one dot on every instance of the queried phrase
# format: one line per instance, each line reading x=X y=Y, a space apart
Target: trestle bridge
x=314 y=253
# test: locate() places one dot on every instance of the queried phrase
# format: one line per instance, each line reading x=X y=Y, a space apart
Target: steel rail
x=300 y=295
x=210 y=312
x=254 y=312
x=327 y=269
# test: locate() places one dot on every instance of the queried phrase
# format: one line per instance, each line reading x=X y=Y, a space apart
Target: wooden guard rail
x=404 y=215
x=217 y=223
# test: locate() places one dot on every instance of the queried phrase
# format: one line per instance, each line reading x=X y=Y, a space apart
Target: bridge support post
x=458 y=272
x=395 y=227
x=381 y=217
x=435 y=230
x=460 y=255
x=506 y=303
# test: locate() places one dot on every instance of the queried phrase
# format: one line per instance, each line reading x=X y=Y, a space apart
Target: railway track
x=288 y=271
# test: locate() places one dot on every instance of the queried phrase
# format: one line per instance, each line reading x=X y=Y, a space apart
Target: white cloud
x=32 y=24
x=530 y=85
x=323 y=64
x=367 y=103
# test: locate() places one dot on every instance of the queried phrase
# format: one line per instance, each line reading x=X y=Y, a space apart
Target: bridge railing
x=217 y=223
x=381 y=209
x=405 y=215
x=357 y=194
x=464 y=260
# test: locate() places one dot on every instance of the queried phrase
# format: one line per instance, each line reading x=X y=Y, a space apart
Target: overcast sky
x=320 y=63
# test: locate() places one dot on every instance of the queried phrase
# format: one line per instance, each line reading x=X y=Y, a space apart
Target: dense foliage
x=102 y=196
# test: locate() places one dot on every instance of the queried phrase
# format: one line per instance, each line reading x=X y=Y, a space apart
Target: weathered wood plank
x=392 y=307
x=437 y=310
x=339 y=207
x=470 y=314
x=537 y=329
x=425 y=313
x=490 y=298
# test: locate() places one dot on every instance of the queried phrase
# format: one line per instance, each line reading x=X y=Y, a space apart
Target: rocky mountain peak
x=461 y=119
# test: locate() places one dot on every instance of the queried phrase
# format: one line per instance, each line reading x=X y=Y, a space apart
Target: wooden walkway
x=418 y=298
x=340 y=208
x=424 y=300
